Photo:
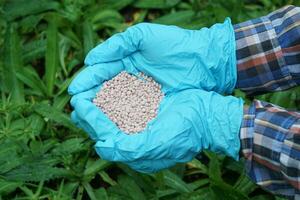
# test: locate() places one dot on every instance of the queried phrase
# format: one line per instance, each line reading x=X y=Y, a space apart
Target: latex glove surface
x=187 y=122
x=189 y=119
x=176 y=58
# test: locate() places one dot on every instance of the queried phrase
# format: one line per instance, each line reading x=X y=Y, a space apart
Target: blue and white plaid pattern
x=268 y=52
x=270 y=142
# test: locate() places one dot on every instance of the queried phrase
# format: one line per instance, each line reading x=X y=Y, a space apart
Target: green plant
x=43 y=155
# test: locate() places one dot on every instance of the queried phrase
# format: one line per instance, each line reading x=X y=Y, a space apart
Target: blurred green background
x=43 y=155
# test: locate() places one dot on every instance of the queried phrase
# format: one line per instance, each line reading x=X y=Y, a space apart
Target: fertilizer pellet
x=130 y=101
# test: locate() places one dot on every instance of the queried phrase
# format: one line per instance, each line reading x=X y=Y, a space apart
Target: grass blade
x=19 y=8
x=88 y=37
x=51 y=55
x=157 y=4
x=88 y=188
x=55 y=115
x=29 y=77
x=173 y=181
x=12 y=63
x=7 y=186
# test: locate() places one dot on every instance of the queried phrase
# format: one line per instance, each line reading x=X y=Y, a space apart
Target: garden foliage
x=43 y=155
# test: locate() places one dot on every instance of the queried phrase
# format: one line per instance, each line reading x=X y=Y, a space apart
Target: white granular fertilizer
x=130 y=101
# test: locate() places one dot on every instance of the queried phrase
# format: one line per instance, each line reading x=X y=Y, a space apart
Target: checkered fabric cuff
x=270 y=142
x=268 y=52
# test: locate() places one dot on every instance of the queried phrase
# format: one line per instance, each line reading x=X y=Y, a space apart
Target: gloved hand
x=176 y=58
x=189 y=120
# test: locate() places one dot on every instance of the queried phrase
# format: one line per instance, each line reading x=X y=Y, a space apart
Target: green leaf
x=176 y=18
x=107 y=178
x=262 y=197
x=173 y=181
x=101 y=194
x=90 y=191
x=29 y=77
x=69 y=146
x=116 y=5
x=164 y=193
x=280 y=99
x=51 y=55
x=7 y=187
x=197 y=164
x=214 y=170
x=29 y=23
x=198 y=183
x=12 y=63
x=18 y=8
x=95 y=166
x=34 y=50
x=106 y=16
x=69 y=188
x=35 y=147
x=131 y=188
x=55 y=115
x=244 y=185
x=203 y=193
x=142 y=180
x=61 y=101
x=9 y=147
x=63 y=86
x=158 y=4
x=35 y=171
x=88 y=37
x=36 y=124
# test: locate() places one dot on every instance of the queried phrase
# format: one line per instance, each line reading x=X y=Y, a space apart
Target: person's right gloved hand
x=176 y=58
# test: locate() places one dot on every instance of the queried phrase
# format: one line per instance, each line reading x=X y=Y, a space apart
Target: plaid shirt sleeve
x=268 y=52
x=270 y=142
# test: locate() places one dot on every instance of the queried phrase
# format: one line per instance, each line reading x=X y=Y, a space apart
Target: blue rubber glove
x=189 y=120
x=176 y=58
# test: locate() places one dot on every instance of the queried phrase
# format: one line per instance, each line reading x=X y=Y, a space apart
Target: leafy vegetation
x=43 y=155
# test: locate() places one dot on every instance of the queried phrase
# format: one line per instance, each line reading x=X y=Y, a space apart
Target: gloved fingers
x=160 y=140
x=83 y=125
x=98 y=124
x=88 y=95
x=94 y=75
x=116 y=47
x=151 y=166
x=122 y=147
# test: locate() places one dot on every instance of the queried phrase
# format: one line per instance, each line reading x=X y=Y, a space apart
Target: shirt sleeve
x=268 y=52
x=270 y=142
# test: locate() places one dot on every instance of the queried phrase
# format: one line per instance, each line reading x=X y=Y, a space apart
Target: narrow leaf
x=95 y=166
x=158 y=4
x=51 y=55
x=29 y=77
x=131 y=187
x=90 y=191
x=19 y=8
x=88 y=37
x=55 y=115
x=7 y=187
x=173 y=181
x=12 y=63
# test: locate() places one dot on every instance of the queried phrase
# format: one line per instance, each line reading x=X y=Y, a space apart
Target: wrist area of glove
x=220 y=57
x=223 y=118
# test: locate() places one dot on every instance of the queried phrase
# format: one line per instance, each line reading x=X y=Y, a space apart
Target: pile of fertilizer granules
x=130 y=101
